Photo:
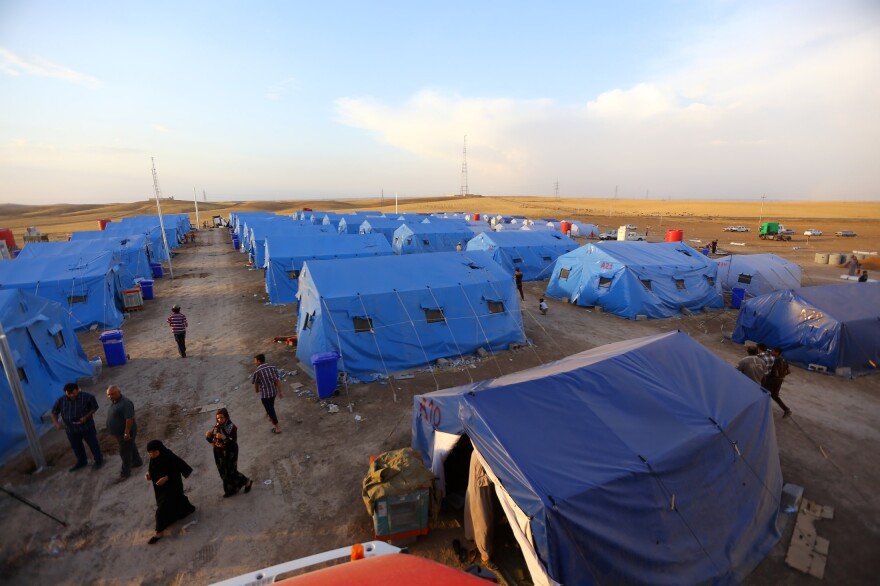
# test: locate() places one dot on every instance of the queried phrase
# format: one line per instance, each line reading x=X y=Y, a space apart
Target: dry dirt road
x=306 y=496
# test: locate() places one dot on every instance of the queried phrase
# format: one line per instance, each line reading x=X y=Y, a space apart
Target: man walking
x=753 y=365
x=517 y=277
x=267 y=383
x=775 y=377
x=73 y=412
x=122 y=426
x=178 y=324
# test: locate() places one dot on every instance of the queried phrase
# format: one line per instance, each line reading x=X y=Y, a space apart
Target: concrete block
x=843 y=371
x=641 y=317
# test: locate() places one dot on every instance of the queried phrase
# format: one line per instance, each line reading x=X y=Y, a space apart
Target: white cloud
x=783 y=101
x=16 y=65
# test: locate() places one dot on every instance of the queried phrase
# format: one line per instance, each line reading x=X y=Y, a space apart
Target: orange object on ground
x=386 y=570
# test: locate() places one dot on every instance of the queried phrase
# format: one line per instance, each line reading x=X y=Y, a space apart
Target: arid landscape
x=307 y=480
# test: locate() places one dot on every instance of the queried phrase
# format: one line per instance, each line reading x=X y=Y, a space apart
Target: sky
x=713 y=99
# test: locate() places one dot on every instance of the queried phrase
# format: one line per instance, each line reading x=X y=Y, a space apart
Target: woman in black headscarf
x=224 y=438
x=166 y=473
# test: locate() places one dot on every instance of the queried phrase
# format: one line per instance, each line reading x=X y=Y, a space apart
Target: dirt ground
x=307 y=480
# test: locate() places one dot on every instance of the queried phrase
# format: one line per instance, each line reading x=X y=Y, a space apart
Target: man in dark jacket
x=122 y=426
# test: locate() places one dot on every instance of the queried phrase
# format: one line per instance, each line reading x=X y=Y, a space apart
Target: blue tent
x=389 y=313
x=129 y=251
x=533 y=252
x=351 y=223
x=286 y=254
x=88 y=287
x=153 y=234
x=648 y=461
x=47 y=355
x=637 y=278
x=437 y=236
x=757 y=274
x=384 y=226
x=834 y=326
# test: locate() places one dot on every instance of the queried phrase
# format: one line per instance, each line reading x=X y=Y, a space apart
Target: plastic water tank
x=565 y=227
x=102 y=224
x=674 y=235
x=821 y=258
x=836 y=259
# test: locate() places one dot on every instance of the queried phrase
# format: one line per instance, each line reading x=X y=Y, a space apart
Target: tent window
x=293 y=275
x=426 y=242
x=684 y=252
x=679 y=284
x=604 y=282
x=496 y=306
x=517 y=260
x=59 y=340
x=711 y=281
x=362 y=324
x=435 y=316
x=744 y=278
x=22 y=375
x=564 y=273
x=647 y=284
x=77 y=299
x=547 y=258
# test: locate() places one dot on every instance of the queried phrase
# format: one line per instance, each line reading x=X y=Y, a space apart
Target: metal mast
x=556 y=188
x=196 y=201
x=161 y=220
x=464 y=177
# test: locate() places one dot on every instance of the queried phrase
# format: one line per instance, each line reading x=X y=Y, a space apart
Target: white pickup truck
x=624 y=233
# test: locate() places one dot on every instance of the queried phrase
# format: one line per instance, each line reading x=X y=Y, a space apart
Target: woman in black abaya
x=166 y=473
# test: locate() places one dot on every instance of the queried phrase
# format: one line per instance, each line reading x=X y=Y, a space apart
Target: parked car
x=632 y=227
x=812 y=232
x=787 y=231
x=741 y=229
x=846 y=233
x=730 y=229
x=608 y=235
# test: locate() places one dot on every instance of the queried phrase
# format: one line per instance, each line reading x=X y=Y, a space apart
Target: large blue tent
x=286 y=255
x=130 y=251
x=836 y=327
x=437 y=236
x=630 y=279
x=757 y=274
x=87 y=286
x=533 y=252
x=385 y=314
x=47 y=355
x=648 y=461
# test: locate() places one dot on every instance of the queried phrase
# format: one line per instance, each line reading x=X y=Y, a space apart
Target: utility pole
x=761 y=217
x=464 y=170
x=383 y=194
x=196 y=201
x=161 y=220
x=556 y=188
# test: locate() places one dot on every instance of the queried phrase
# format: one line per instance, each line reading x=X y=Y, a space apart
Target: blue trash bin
x=114 y=347
x=147 y=288
x=325 y=373
x=737 y=296
x=236 y=243
x=157 y=270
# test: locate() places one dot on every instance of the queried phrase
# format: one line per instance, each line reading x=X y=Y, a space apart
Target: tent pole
x=20 y=402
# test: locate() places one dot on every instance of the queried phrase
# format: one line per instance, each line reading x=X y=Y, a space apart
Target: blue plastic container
x=114 y=347
x=236 y=243
x=157 y=270
x=737 y=297
x=325 y=373
x=147 y=288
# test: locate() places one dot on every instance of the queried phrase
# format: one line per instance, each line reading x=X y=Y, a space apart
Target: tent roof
x=527 y=238
x=313 y=245
x=649 y=254
x=845 y=302
x=385 y=274
x=55 y=268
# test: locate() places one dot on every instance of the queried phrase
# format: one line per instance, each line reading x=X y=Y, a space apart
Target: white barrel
x=836 y=259
x=821 y=258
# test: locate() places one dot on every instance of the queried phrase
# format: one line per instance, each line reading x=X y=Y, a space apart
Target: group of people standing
x=767 y=367
x=75 y=412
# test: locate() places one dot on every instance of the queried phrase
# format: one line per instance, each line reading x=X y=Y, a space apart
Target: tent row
x=89 y=274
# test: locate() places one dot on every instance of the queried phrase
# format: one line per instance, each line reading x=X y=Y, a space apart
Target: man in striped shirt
x=73 y=412
x=178 y=324
x=267 y=383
